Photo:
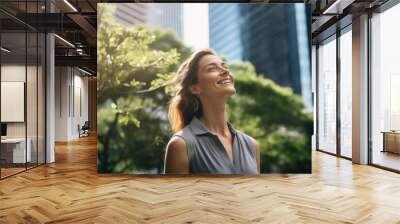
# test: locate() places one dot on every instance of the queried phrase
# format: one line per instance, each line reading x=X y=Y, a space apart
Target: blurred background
x=141 y=45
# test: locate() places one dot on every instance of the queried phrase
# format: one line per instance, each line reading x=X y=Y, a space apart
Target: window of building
x=345 y=92
x=385 y=89
x=327 y=95
x=22 y=78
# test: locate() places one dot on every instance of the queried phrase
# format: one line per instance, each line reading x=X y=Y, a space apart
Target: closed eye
x=211 y=69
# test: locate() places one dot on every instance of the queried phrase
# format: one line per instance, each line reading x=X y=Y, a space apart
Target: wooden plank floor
x=70 y=191
x=10 y=171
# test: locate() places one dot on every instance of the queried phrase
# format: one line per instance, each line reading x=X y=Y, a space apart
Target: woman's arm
x=176 y=158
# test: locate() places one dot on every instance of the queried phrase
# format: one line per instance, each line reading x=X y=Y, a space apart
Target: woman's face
x=214 y=78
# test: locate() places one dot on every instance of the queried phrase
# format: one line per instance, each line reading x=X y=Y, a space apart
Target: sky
x=195 y=25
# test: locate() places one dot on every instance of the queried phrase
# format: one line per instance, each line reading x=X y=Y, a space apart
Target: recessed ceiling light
x=5 y=50
x=337 y=7
x=70 y=5
x=64 y=40
x=84 y=71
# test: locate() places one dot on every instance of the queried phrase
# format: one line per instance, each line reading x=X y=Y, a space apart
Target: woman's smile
x=225 y=81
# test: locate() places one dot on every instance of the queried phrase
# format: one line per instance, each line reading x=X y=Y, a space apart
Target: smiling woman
x=204 y=141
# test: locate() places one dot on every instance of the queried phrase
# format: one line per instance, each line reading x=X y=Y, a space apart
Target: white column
x=360 y=90
x=50 y=100
x=50 y=92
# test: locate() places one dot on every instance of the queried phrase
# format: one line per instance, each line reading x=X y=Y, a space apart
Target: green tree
x=134 y=65
x=124 y=52
x=275 y=117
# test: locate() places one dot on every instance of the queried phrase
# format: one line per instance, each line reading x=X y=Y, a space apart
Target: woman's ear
x=194 y=89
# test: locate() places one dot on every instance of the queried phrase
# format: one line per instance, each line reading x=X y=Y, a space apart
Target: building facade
x=271 y=36
x=162 y=16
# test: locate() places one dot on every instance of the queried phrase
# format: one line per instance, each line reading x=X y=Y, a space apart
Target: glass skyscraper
x=162 y=16
x=271 y=36
x=225 y=30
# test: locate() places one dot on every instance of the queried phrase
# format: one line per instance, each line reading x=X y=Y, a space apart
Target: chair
x=84 y=130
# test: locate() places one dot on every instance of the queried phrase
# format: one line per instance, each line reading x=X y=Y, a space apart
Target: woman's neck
x=215 y=118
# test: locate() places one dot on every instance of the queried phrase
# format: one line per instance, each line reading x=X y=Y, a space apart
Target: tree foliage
x=134 y=65
x=275 y=117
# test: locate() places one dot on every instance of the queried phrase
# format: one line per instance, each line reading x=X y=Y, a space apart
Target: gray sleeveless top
x=207 y=154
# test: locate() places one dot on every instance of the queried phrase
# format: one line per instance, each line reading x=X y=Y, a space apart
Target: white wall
x=12 y=73
x=62 y=81
x=80 y=110
x=71 y=94
x=33 y=127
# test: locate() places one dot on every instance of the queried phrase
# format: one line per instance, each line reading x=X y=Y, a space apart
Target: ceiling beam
x=84 y=24
x=81 y=61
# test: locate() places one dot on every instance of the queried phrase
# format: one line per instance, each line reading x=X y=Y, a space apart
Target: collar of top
x=199 y=129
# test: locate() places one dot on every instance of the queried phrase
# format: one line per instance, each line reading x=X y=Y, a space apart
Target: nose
x=224 y=72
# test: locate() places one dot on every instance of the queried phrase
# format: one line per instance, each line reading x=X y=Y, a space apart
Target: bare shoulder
x=176 y=158
x=176 y=145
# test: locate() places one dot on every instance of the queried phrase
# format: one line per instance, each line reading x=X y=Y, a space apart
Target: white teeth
x=225 y=82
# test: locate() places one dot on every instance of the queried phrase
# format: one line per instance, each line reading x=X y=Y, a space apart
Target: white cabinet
x=18 y=149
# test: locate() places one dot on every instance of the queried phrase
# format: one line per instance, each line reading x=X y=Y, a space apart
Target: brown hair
x=185 y=105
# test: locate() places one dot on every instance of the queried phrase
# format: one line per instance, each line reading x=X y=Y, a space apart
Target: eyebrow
x=213 y=63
